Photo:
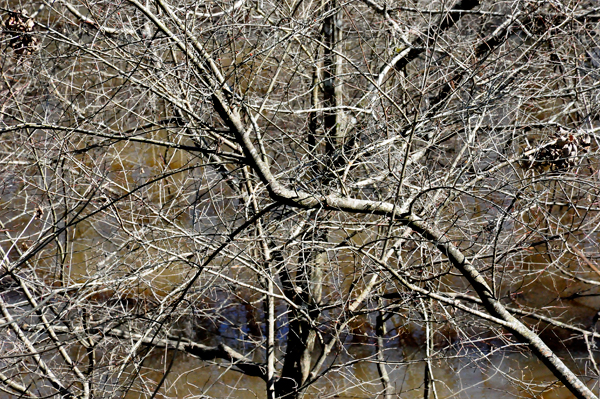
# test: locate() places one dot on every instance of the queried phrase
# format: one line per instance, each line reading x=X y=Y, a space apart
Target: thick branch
x=204 y=352
x=352 y=205
x=495 y=308
x=231 y=116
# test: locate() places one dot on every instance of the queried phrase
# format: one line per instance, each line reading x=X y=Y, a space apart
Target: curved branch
x=231 y=116
x=204 y=352
x=496 y=309
x=94 y=24
x=303 y=199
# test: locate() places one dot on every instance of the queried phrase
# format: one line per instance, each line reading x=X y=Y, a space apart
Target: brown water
x=466 y=370
x=476 y=374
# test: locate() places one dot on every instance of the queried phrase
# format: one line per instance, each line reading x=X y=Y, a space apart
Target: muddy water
x=472 y=374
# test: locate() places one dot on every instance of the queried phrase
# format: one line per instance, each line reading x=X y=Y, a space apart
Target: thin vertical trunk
x=270 y=301
x=306 y=287
x=271 y=393
x=428 y=381
x=332 y=88
x=313 y=116
x=380 y=330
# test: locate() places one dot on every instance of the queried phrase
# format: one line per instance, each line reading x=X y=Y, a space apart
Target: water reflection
x=474 y=373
